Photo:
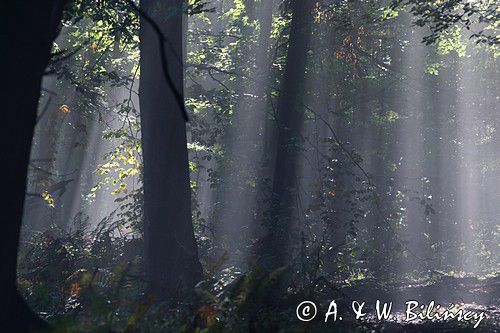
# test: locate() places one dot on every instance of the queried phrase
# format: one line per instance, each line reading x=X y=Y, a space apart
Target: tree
x=171 y=254
x=290 y=114
x=28 y=30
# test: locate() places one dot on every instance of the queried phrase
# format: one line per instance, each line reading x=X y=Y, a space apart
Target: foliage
x=357 y=201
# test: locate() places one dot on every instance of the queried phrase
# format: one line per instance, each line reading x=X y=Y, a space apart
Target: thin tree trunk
x=236 y=219
x=171 y=254
x=290 y=118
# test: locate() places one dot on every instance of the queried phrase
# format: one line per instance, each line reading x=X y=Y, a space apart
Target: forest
x=257 y=166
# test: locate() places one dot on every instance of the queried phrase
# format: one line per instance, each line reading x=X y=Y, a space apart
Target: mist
x=336 y=150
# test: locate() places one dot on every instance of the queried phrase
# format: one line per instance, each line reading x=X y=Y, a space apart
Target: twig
x=45 y=108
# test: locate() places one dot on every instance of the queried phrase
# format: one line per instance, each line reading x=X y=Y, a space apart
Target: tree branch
x=161 y=41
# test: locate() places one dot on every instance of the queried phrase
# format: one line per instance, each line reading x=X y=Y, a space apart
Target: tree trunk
x=290 y=115
x=171 y=255
x=236 y=218
x=28 y=30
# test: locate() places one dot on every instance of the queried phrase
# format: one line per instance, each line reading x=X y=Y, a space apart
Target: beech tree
x=171 y=254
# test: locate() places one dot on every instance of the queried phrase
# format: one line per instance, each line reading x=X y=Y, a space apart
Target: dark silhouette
x=28 y=30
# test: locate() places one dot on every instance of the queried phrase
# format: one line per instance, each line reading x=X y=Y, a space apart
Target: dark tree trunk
x=28 y=29
x=290 y=114
x=262 y=59
x=171 y=254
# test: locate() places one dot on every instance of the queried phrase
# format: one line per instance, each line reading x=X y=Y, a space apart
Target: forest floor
x=73 y=295
x=471 y=294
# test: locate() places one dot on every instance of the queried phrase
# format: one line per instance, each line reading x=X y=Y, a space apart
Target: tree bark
x=171 y=255
x=290 y=114
x=28 y=30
